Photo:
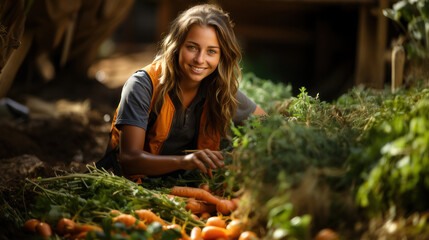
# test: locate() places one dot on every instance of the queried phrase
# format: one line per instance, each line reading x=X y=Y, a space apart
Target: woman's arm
x=134 y=160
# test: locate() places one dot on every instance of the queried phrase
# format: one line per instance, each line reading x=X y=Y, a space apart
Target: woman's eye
x=192 y=48
x=212 y=52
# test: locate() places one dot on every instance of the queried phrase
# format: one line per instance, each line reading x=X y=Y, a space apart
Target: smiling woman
x=184 y=100
x=199 y=55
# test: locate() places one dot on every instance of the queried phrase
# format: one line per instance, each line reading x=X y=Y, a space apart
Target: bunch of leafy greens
x=374 y=138
x=413 y=18
x=397 y=150
x=265 y=93
x=88 y=198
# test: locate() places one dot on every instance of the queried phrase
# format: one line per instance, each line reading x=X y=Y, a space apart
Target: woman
x=183 y=101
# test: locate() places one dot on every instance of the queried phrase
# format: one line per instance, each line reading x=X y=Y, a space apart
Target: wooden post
x=14 y=62
x=164 y=18
x=398 y=61
x=381 y=45
x=371 y=46
x=68 y=40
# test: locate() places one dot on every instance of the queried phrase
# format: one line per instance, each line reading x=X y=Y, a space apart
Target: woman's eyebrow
x=192 y=42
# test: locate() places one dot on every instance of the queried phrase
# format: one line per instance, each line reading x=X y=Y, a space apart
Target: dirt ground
x=67 y=126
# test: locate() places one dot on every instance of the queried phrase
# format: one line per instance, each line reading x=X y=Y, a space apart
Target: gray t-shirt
x=134 y=110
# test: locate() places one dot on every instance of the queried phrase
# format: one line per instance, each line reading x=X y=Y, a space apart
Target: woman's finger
x=216 y=157
x=207 y=158
x=200 y=165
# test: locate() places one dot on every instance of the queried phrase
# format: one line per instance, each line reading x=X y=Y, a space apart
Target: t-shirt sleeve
x=135 y=101
x=244 y=109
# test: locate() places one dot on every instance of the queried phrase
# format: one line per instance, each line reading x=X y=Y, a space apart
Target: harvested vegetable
x=196 y=234
x=216 y=222
x=225 y=207
x=205 y=215
x=127 y=219
x=211 y=232
x=199 y=207
x=97 y=193
x=248 y=235
x=196 y=193
x=65 y=226
x=234 y=228
x=87 y=228
x=326 y=234
x=205 y=187
x=30 y=225
x=44 y=229
x=149 y=217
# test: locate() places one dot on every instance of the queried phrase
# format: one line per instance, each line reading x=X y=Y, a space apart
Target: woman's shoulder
x=140 y=76
x=139 y=80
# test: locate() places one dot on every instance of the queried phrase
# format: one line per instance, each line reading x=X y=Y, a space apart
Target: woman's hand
x=202 y=160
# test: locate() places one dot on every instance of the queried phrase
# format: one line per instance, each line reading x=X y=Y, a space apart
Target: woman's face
x=199 y=54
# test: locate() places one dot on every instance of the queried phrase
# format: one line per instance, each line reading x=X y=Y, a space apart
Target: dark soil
x=54 y=141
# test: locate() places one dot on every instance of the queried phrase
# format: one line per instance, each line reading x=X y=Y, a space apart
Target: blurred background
x=328 y=46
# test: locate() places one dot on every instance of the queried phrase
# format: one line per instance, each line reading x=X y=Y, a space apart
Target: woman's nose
x=199 y=57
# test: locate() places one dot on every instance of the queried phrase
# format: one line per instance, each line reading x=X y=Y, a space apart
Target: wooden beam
x=363 y=67
x=371 y=46
x=14 y=62
x=381 y=44
x=398 y=62
x=285 y=35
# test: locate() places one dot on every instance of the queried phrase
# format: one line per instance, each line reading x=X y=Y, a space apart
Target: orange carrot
x=149 y=217
x=198 y=206
x=211 y=232
x=248 y=235
x=86 y=228
x=65 y=226
x=126 y=219
x=326 y=234
x=196 y=193
x=115 y=212
x=79 y=236
x=44 y=229
x=209 y=172
x=234 y=228
x=216 y=222
x=236 y=201
x=205 y=187
x=141 y=225
x=225 y=207
x=196 y=233
x=205 y=215
x=185 y=236
x=30 y=225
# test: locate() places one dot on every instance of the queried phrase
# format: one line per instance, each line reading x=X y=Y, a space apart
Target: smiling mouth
x=197 y=69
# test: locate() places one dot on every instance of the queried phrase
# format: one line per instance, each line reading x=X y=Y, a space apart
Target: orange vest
x=156 y=136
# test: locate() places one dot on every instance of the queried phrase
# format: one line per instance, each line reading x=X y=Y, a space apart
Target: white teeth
x=197 y=69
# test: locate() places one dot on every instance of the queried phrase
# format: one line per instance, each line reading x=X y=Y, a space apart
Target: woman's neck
x=189 y=91
x=188 y=86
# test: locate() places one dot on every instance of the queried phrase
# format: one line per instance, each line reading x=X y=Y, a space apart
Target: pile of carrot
x=65 y=227
x=68 y=229
x=201 y=200
x=217 y=228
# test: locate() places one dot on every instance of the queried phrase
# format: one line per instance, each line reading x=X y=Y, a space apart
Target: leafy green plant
x=343 y=144
x=265 y=93
x=90 y=197
x=413 y=18
x=399 y=177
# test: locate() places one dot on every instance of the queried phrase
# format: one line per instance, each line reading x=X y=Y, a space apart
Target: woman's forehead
x=203 y=35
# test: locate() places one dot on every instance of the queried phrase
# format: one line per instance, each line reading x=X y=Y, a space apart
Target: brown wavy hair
x=222 y=102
